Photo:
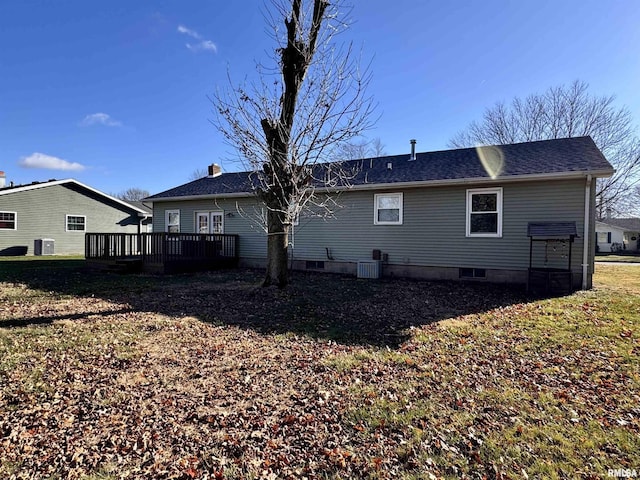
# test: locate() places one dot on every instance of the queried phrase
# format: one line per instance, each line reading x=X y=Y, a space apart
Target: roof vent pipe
x=413 y=150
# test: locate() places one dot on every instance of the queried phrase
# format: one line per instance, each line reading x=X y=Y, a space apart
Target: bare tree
x=132 y=194
x=630 y=206
x=198 y=173
x=562 y=112
x=361 y=148
x=377 y=148
x=294 y=117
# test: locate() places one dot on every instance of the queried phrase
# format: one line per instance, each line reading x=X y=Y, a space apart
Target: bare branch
x=132 y=194
x=297 y=113
x=198 y=173
x=562 y=112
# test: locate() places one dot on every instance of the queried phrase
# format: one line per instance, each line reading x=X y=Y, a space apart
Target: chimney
x=413 y=150
x=3 y=180
x=215 y=170
x=608 y=213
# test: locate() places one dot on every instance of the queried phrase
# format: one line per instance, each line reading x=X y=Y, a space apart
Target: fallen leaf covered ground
x=209 y=376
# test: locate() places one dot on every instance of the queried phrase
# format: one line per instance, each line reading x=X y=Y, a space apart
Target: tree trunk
x=277 y=248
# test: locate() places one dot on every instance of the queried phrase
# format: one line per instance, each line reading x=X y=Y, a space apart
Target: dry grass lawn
x=209 y=376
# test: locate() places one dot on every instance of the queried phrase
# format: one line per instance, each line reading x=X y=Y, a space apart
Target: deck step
x=126 y=265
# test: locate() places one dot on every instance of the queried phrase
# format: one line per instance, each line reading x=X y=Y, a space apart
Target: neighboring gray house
x=53 y=217
x=615 y=234
x=443 y=215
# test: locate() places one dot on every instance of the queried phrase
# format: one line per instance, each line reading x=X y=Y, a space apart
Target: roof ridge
x=551 y=158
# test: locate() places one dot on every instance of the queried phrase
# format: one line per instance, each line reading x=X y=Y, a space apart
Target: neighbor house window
x=388 y=209
x=8 y=221
x=76 y=223
x=484 y=212
x=604 y=237
x=172 y=221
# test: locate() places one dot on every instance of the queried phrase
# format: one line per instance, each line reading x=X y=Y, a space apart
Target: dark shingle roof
x=552 y=229
x=236 y=182
x=551 y=157
x=140 y=205
x=628 y=224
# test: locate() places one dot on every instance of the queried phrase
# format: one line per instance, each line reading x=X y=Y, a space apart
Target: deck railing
x=161 y=248
x=113 y=245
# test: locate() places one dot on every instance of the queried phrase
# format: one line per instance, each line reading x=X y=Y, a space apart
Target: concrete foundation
x=408 y=271
x=400 y=271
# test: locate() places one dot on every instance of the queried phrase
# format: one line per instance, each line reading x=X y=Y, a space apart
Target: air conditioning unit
x=369 y=269
x=44 y=246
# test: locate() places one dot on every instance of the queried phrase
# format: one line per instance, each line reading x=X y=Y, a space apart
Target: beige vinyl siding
x=432 y=233
x=42 y=213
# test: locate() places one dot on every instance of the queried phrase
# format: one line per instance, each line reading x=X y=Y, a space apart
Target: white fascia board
x=66 y=181
x=33 y=186
x=117 y=200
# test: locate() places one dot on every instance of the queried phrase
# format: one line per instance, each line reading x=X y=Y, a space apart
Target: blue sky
x=114 y=94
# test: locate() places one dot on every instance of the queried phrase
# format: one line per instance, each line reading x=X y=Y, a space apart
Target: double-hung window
x=388 y=209
x=76 y=223
x=172 y=221
x=8 y=221
x=484 y=212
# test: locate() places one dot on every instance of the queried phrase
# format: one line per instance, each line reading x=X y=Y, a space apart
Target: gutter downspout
x=587 y=229
x=141 y=218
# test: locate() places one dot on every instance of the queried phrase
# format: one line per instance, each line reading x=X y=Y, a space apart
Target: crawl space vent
x=369 y=269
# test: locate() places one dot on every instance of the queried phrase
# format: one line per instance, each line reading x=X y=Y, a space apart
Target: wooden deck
x=161 y=252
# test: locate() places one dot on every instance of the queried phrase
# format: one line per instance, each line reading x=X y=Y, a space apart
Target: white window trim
x=15 y=221
x=375 y=208
x=166 y=219
x=216 y=212
x=474 y=191
x=197 y=222
x=66 y=223
x=209 y=214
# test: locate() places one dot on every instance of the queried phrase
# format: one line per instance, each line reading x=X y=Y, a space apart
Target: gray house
x=486 y=213
x=52 y=217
